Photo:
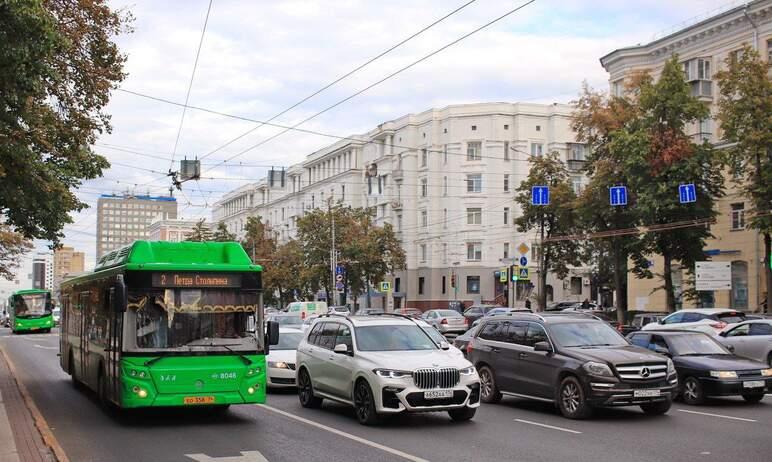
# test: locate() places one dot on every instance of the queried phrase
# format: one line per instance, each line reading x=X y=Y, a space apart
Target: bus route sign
x=188 y=279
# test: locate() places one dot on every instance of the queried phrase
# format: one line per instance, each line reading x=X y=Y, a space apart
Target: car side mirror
x=273 y=333
x=722 y=334
x=444 y=345
x=542 y=346
x=730 y=348
x=119 y=294
x=341 y=349
x=661 y=350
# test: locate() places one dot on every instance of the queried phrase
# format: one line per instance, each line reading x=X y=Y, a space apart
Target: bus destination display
x=196 y=280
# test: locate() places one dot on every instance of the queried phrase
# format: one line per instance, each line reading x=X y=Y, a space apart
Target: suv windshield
x=31 y=305
x=393 y=338
x=695 y=345
x=184 y=318
x=586 y=334
x=288 y=341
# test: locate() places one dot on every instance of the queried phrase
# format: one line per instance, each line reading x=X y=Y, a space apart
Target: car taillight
x=718 y=325
x=302 y=315
x=466 y=321
x=444 y=321
x=469 y=346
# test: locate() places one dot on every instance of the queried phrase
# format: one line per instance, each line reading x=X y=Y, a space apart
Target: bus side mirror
x=273 y=333
x=119 y=294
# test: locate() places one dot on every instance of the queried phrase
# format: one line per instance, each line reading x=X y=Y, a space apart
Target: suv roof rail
x=523 y=313
x=329 y=315
x=399 y=315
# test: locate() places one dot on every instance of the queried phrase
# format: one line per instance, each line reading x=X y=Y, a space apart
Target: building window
x=474 y=251
x=444 y=253
x=576 y=183
x=424 y=187
x=445 y=186
x=443 y=285
x=421 y=281
x=506 y=250
x=506 y=149
x=445 y=218
x=537 y=149
x=474 y=150
x=474 y=216
x=506 y=127
x=369 y=185
x=445 y=154
x=576 y=285
x=506 y=215
x=343 y=192
x=738 y=216
x=473 y=284
x=577 y=151
x=399 y=223
x=474 y=183
x=424 y=158
x=423 y=252
x=769 y=51
x=506 y=183
x=424 y=219
x=616 y=88
x=538 y=128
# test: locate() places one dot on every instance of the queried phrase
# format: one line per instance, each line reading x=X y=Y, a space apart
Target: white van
x=305 y=309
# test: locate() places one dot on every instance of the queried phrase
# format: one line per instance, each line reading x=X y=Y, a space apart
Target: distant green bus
x=168 y=324
x=31 y=310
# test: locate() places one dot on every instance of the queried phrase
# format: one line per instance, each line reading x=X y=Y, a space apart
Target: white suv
x=383 y=364
x=708 y=320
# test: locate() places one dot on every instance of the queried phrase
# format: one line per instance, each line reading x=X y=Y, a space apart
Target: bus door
x=113 y=349
x=81 y=356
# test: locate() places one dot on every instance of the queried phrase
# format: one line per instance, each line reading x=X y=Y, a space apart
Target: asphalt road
x=513 y=430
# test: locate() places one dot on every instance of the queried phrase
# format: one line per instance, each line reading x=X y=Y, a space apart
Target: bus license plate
x=438 y=394
x=645 y=393
x=753 y=384
x=198 y=400
x=34 y=328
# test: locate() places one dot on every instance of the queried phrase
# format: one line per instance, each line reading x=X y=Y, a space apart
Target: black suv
x=578 y=363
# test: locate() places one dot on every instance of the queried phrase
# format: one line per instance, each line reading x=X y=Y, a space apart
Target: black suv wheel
x=571 y=399
x=364 y=404
x=306 y=391
x=489 y=392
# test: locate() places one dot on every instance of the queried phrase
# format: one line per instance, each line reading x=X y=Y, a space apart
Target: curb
x=40 y=422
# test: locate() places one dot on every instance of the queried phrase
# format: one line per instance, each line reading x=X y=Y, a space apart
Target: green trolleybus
x=168 y=324
x=31 y=310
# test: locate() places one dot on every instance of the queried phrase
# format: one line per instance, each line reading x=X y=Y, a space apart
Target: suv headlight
x=766 y=372
x=598 y=369
x=723 y=374
x=670 y=367
x=467 y=370
x=277 y=365
x=392 y=374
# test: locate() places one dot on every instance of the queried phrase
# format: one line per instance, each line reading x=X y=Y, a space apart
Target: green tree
x=745 y=113
x=660 y=156
x=12 y=247
x=58 y=64
x=553 y=221
x=261 y=246
x=287 y=272
x=221 y=234
x=200 y=232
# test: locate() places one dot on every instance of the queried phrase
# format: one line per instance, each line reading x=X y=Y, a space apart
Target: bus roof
x=179 y=256
x=30 y=291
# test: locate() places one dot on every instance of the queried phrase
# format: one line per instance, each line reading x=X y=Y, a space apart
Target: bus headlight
x=255 y=371
x=141 y=392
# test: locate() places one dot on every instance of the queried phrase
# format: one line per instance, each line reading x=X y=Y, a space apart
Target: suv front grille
x=642 y=371
x=436 y=378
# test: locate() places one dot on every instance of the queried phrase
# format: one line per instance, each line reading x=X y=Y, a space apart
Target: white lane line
x=551 y=427
x=742 y=419
x=358 y=439
x=45 y=347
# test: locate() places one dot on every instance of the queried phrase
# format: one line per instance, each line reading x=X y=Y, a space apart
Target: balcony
x=398 y=174
x=575 y=165
x=702 y=89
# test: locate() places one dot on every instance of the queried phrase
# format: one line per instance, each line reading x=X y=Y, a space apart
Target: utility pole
x=333 y=255
x=542 y=272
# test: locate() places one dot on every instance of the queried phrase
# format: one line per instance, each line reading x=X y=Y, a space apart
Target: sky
x=260 y=57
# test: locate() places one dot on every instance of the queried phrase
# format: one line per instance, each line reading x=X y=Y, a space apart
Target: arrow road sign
x=523 y=261
x=687 y=193
x=618 y=195
x=340 y=269
x=540 y=195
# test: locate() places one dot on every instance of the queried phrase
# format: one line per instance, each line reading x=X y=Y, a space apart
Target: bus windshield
x=192 y=319
x=31 y=305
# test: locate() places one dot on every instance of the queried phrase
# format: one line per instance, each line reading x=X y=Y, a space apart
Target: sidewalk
x=20 y=439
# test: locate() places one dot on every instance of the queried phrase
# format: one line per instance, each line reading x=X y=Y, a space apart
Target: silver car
x=446 y=321
x=751 y=339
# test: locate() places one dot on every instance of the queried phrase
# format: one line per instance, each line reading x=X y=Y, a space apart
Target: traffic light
x=453 y=280
x=513 y=272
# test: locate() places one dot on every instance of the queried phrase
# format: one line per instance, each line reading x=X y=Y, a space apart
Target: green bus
x=168 y=324
x=31 y=310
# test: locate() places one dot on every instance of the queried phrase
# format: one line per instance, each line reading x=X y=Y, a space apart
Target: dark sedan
x=462 y=340
x=705 y=367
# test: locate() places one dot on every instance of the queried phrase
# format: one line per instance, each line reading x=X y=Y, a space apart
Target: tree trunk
x=668 y=277
x=620 y=268
x=768 y=268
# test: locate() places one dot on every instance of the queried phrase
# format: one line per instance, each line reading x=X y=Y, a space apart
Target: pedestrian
x=528 y=304
x=586 y=304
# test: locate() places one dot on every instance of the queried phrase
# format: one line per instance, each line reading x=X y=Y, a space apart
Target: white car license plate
x=754 y=384
x=645 y=393
x=438 y=394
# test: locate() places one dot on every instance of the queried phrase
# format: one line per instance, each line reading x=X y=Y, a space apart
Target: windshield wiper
x=597 y=344
x=244 y=359
x=152 y=361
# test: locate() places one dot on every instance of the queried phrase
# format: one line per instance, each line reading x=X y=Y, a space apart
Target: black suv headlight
x=598 y=369
x=670 y=367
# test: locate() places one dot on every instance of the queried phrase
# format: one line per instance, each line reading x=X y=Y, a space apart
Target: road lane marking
x=45 y=347
x=718 y=415
x=567 y=430
x=246 y=456
x=358 y=439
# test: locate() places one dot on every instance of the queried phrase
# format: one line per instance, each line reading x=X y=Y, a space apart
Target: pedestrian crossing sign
x=385 y=286
x=523 y=274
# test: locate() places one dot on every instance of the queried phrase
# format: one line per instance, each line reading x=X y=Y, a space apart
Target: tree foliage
x=12 y=247
x=745 y=113
x=58 y=64
x=221 y=234
x=200 y=232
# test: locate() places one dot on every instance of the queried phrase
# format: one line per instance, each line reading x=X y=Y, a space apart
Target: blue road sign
x=687 y=193
x=540 y=195
x=339 y=285
x=618 y=195
x=523 y=261
x=340 y=269
x=523 y=275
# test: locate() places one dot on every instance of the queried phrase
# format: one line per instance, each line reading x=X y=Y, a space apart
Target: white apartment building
x=446 y=180
x=174 y=230
x=703 y=48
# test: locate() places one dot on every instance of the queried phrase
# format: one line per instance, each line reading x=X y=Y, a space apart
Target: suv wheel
x=692 y=391
x=463 y=414
x=571 y=399
x=753 y=397
x=306 y=391
x=489 y=392
x=364 y=404
x=657 y=408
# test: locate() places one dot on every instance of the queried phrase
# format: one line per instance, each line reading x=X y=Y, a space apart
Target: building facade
x=170 y=230
x=66 y=261
x=123 y=219
x=42 y=271
x=703 y=48
x=445 y=179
